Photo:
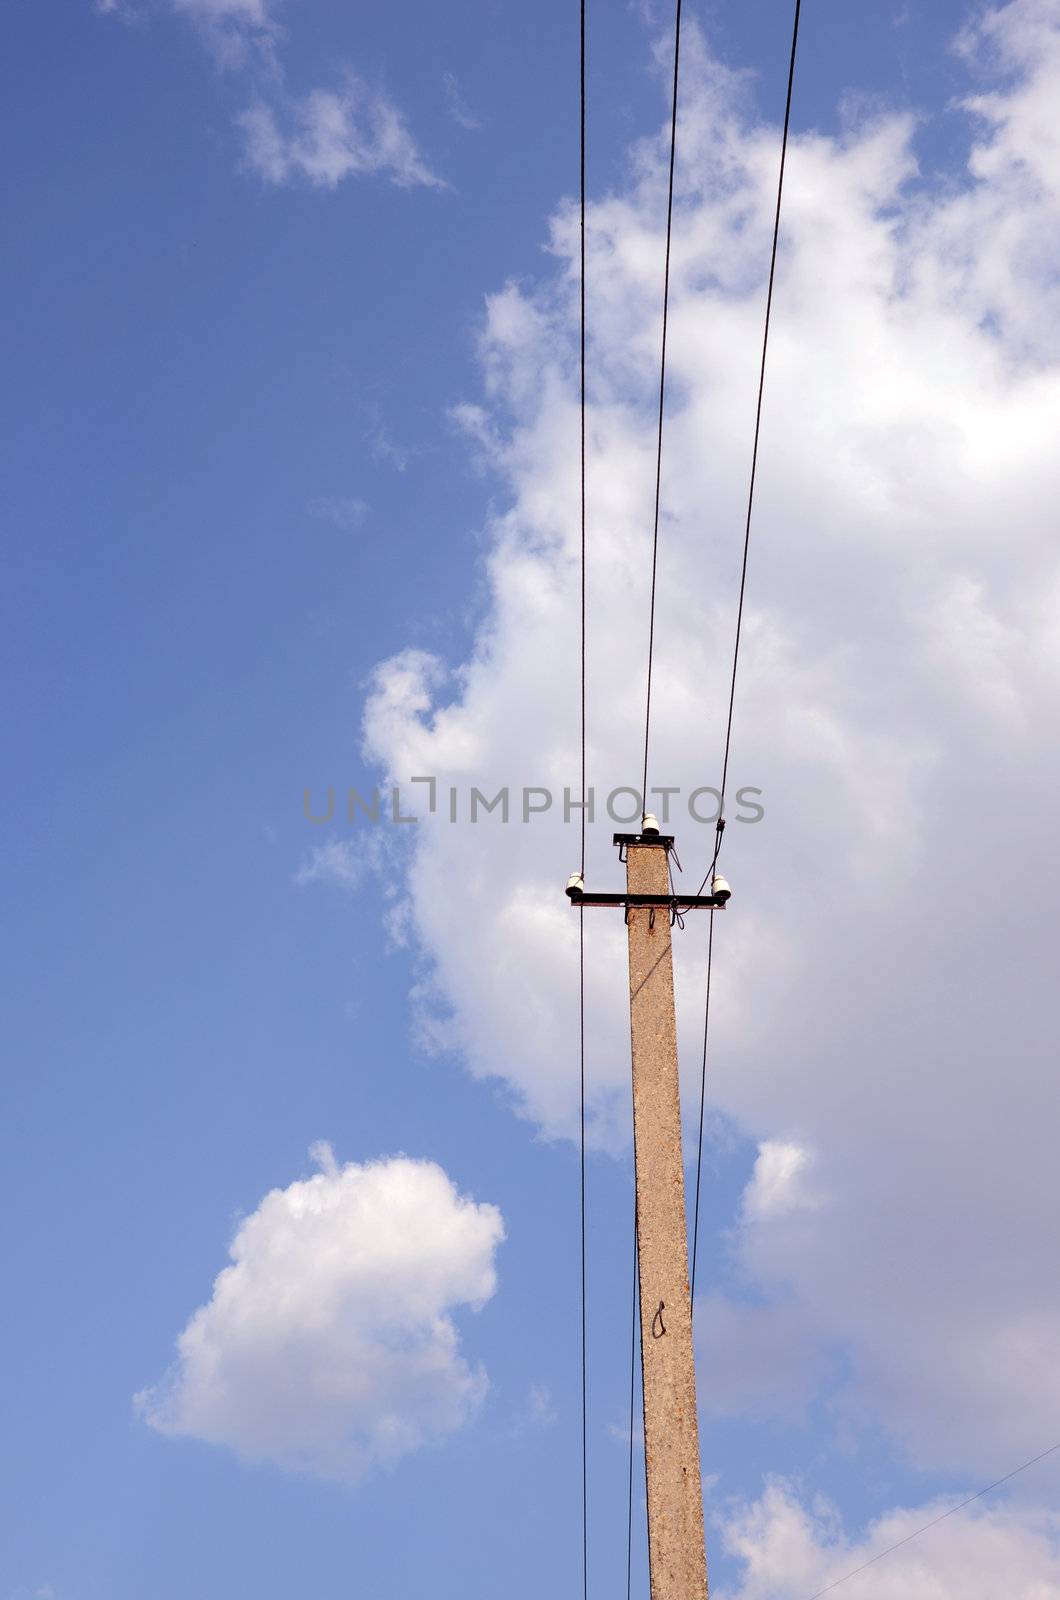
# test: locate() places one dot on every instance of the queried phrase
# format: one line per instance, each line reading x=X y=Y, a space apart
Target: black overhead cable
x=754 y=450
x=632 y=1392
x=719 y=832
x=662 y=400
x=585 y=1474
x=582 y=407
x=936 y=1520
x=757 y=434
x=581 y=910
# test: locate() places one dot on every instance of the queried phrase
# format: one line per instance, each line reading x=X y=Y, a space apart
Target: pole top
x=649 y=837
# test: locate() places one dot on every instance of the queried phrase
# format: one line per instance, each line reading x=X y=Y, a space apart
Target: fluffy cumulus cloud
x=791 y=1552
x=328 y=1345
x=882 y=1023
x=778 y=1183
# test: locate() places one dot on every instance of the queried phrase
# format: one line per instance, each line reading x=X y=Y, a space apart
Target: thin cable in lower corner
x=632 y=1393
x=585 y=1395
x=1033 y=1462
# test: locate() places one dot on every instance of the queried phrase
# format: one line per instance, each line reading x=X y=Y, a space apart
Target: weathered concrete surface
x=671 y=1435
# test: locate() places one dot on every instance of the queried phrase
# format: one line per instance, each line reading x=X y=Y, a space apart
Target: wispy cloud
x=383 y=447
x=248 y=14
x=541 y=1408
x=620 y=1433
x=338 y=862
x=321 y=137
x=235 y=31
x=457 y=106
x=342 y=511
x=329 y=135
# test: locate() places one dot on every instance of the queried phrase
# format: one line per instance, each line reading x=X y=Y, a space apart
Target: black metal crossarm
x=674 y=903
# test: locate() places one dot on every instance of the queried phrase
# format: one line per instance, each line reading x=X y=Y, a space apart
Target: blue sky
x=290 y=501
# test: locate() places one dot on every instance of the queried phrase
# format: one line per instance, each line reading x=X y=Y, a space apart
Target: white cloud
x=778 y=1182
x=382 y=446
x=244 y=13
x=884 y=985
x=788 y=1552
x=541 y=1407
x=328 y=1345
x=321 y=137
x=759 y=1361
x=457 y=107
x=331 y=135
x=235 y=31
x=250 y=15
x=338 y=861
x=342 y=511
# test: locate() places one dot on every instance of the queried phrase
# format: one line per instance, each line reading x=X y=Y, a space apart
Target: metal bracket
x=672 y=902
x=666 y=840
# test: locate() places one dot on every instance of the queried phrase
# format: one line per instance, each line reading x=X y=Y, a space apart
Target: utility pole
x=676 y=1548
x=676 y=1545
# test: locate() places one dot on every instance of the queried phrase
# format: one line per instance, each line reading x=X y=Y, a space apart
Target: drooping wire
x=757 y=436
x=720 y=830
x=585 y=1392
x=662 y=400
x=936 y=1520
x=582 y=411
x=581 y=910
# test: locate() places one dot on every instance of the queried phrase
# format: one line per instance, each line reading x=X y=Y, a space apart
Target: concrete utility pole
x=676 y=1545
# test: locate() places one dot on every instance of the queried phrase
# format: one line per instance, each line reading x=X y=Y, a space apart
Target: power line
x=736 y=648
x=581 y=912
x=632 y=1391
x=936 y=1520
x=662 y=399
x=585 y=1461
x=582 y=408
x=757 y=435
